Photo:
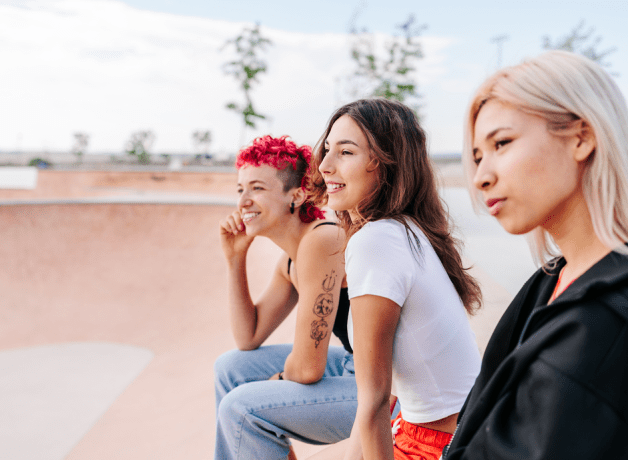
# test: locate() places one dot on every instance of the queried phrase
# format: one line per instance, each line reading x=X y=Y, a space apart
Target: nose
x=326 y=165
x=484 y=176
x=243 y=200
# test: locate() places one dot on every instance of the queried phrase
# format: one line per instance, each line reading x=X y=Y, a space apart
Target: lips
x=247 y=216
x=492 y=201
x=494 y=205
x=333 y=187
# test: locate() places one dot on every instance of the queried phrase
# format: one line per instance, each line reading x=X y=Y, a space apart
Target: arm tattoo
x=323 y=307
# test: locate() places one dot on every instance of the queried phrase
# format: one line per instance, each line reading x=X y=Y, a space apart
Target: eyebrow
x=256 y=181
x=489 y=136
x=495 y=131
x=343 y=142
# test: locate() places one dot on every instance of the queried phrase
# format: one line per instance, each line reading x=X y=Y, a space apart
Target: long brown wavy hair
x=406 y=188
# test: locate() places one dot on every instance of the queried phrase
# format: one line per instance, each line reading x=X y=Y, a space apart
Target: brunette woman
x=547 y=154
x=266 y=395
x=409 y=291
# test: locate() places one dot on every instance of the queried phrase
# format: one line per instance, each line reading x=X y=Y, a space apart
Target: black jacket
x=554 y=378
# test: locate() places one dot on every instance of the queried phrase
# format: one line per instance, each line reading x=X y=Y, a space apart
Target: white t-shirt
x=435 y=356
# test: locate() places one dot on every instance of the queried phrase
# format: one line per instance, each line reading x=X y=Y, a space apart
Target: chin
x=252 y=230
x=515 y=228
x=335 y=206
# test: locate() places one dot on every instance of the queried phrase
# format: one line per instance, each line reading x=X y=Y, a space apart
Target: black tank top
x=342 y=317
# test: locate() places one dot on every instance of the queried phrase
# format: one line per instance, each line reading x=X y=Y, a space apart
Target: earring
x=292 y=208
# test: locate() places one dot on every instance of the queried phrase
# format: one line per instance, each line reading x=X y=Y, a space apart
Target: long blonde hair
x=565 y=88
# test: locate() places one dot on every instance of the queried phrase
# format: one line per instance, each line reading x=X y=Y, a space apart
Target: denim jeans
x=255 y=416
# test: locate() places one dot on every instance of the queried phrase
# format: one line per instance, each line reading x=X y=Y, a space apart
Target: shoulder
x=592 y=314
x=572 y=335
x=380 y=233
x=381 y=241
x=322 y=234
x=586 y=327
x=586 y=348
x=379 y=261
x=321 y=241
x=588 y=344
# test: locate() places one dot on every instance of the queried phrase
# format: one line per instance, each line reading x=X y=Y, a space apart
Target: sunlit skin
x=263 y=209
x=530 y=177
x=348 y=169
x=527 y=175
x=262 y=203
x=350 y=175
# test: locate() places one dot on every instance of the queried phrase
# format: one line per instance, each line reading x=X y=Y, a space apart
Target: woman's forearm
x=243 y=313
x=375 y=321
x=374 y=425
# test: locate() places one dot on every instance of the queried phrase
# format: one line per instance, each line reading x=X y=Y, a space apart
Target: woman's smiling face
x=349 y=172
x=527 y=175
x=263 y=204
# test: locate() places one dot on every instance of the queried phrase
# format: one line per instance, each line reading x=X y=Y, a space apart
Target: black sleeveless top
x=342 y=317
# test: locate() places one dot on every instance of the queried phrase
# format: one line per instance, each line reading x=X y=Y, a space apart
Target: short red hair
x=280 y=153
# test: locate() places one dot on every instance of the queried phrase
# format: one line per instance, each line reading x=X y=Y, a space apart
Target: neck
x=573 y=232
x=288 y=235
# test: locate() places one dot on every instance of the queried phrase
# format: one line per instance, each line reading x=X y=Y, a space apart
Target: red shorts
x=414 y=442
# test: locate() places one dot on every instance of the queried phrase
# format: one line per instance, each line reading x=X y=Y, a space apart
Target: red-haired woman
x=409 y=291
x=268 y=394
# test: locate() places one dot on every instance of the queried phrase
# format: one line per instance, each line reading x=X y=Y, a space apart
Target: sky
x=109 y=68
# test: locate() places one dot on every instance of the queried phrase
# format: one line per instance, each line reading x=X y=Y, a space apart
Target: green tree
x=139 y=145
x=246 y=69
x=81 y=141
x=391 y=72
x=581 y=40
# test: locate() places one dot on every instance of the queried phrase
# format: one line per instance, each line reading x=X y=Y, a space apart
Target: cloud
x=107 y=69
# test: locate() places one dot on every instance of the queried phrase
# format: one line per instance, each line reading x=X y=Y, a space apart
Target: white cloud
x=107 y=69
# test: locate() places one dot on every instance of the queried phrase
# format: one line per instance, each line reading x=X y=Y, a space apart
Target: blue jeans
x=255 y=416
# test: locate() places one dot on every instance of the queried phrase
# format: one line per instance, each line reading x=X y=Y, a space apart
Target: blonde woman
x=547 y=154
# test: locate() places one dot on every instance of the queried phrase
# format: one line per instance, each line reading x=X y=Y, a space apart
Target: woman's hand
x=233 y=238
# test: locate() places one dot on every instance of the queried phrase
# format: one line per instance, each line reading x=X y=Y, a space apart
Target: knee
x=226 y=363
x=235 y=405
x=226 y=408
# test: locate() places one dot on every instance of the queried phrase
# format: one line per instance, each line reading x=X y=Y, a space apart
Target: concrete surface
x=55 y=393
x=114 y=310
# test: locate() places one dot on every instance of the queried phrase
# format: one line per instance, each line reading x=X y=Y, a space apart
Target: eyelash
x=343 y=152
x=498 y=144
x=501 y=143
x=240 y=191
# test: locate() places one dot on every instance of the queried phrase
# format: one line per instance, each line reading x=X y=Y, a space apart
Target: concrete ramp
x=150 y=277
x=51 y=396
x=114 y=309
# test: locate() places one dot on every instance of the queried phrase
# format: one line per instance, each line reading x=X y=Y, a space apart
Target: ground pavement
x=113 y=310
